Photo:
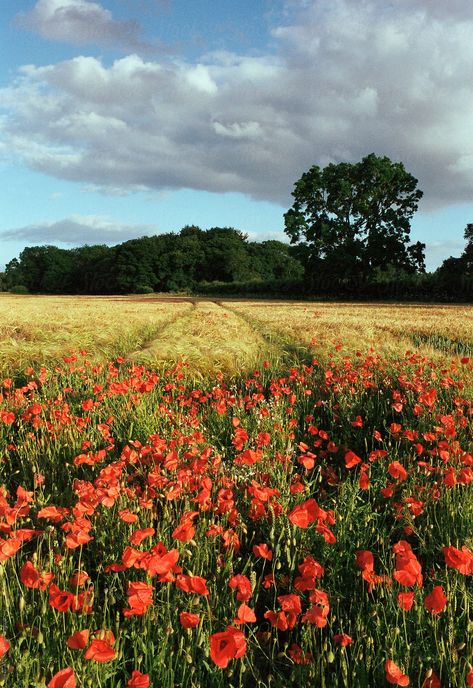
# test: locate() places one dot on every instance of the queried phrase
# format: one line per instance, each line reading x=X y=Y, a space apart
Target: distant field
x=223 y=335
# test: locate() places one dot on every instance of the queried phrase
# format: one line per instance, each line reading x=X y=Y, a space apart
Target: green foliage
x=19 y=289
x=354 y=217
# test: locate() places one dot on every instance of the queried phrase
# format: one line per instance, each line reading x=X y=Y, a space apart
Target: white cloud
x=348 y=77
x=81 y=22
x=78 y=230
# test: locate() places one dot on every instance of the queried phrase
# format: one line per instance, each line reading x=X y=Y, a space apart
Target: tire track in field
x=209 y=338
x=279 y=344
x=149 y=343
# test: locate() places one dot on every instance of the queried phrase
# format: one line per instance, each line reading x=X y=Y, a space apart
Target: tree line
x=164 y=263
x=349 y=228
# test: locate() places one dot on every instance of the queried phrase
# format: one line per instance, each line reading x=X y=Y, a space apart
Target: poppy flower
x=188 y=620
x=140 y=597
x=138 y=680
x=469 y=679
x=262 y=551
x=351 y=459
x=244 y=614
x=4 y=645
x=436 y=600
x=8 y=548
x=78 y=640
x=405 y=600
x=227 y=645
x=100 y=651
x=243 y=585
x=431 y=680
x=195 y=584
x=304 y=514
x=397 y=471
x=459 y=559
x=32 y=578
x=342 y=639
x=61 y=600
x=298 y=656
x=63 y=679
x=394 y=674
x=138 y=536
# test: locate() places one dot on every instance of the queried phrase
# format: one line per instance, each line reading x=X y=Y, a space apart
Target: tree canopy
x=355 y=218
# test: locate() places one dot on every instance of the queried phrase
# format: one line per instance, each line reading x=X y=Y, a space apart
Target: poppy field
x=295 y=513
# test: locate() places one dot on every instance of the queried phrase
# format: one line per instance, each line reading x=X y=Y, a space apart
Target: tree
x=354 y=218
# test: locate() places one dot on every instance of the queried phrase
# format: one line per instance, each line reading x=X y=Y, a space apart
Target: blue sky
x=120 y=118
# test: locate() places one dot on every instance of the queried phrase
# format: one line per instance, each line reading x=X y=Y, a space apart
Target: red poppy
x=100 y=651
x=431 y=680
x=351 y=459
x=306 y=513
x=61 y=600
x=459 y=559
x=138 y=536
x=4 y=645
x=469 y=679
x=394 y=674
x=138 y=680
x=436 y=600
x=63 y=679
x=342 y=639
x=9 y=547
x=243 y=585
x=262 y=551
x=244 y=614
x=227 y=645
x=405 y=600
x=78 y=640
x=32 y=578
x=162 y=562
x=397 y=471
x=140 y=597
x=195 y=584
x=298 y=656
x=188 y=620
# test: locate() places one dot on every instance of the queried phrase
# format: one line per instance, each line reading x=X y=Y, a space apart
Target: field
x=235 y=493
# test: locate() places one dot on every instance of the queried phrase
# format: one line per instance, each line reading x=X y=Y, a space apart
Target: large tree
x=354 y=218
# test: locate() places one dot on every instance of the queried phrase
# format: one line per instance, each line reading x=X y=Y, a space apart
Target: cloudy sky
x=120 y=118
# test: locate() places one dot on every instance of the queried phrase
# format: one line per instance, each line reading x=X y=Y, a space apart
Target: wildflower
x=431 y=680
x=227 y=645
x=78 y=640
x=405 y=600
x=436 y=600
x=262 y=551
x=138 y=680
x=195 y=584
x=394 y=674
x=100 y=651
x=32 y=578
x=63 y=679
x=188 y=620
x=298 y=656
x=244 y=614
x=304 y=514
x=140 y=597
x=4 y=646
x=61 y=600
x=342 y=639
x=461 y=560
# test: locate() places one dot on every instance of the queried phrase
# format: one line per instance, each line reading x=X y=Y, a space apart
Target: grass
x=146 y=471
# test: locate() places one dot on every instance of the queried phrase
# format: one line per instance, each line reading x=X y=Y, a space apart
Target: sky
x=125 y=118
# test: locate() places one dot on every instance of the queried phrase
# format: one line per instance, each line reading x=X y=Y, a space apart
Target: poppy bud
x=330 y=657
x=22 y=603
